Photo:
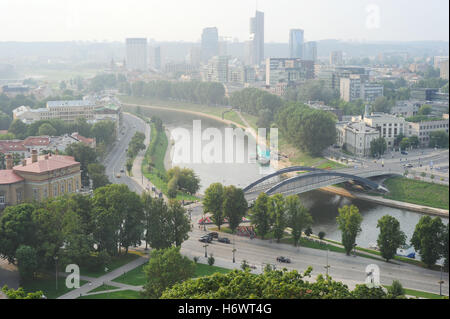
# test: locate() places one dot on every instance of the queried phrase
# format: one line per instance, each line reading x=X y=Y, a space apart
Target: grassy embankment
x=187 y=106
x=155 y=155
x=417 y=192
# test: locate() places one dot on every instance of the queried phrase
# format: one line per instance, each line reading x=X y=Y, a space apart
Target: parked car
x=405 y=153
x=282 y=259
x=224 y=240
x=122 y=170
x=205 y=239
x=409 y=165
x=213 y=235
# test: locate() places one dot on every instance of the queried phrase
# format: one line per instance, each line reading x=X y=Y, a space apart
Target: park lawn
x=136 y=277
x=419 y=294
x=203 y=270
x=417 y=192
x=47 y=284
x=103 y=288
x=116 y=262
x=122 y=294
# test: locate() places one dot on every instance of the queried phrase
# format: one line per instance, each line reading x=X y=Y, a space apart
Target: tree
x=405 y=144
x=260 y=216
x=211 y=260
x=439 y=139
x=17 y=228
x=234 y=206
x=97 y=174
x=18 y=128
x=298 y=217
x=390 y=237
x=5 y=121
x=27 y=262
x=378 y=147
x=213 y=203
x=179 y=223
x=157 y=223
x=414 y=141
x=396 y=290
x=349 y=223
x=382 y=105
x=118 y=218
x=309 y=129
x=21 y=294
x=428 y=239
x=47 y=129
x=425 y=110
x=164 y=269
x=321 y=235
x=277 y=211
x=272 y=284
x=85 y=155
x=445 y=246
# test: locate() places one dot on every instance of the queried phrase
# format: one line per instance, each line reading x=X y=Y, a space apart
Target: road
x=350 y=270
x=117 y=158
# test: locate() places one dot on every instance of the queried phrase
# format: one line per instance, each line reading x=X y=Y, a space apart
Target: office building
x=137 y=54
x=290 y=71
x=257 y=39
x=310 y=51
x=296 y=41
x=444 y=69
x=217 y=70
x=336 y=58
x=210 y=43
x=356 y=137
x=388 y=125
x=157 y=58
x=423 y=129
x=331 y=75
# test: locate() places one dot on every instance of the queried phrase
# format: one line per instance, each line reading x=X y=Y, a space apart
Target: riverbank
x=386 y=202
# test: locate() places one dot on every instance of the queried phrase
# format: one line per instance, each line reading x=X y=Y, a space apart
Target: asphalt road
x=117 y=158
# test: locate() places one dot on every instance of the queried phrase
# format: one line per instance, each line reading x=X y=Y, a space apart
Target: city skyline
x=368 y=20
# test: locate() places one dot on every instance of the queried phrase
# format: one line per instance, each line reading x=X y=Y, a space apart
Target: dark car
x=205 y=239
x=283 y=260
x=405 y=153
x=213 y=235
x=224 y=240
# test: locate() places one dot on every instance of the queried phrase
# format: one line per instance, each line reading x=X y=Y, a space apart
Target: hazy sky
x=174 y=20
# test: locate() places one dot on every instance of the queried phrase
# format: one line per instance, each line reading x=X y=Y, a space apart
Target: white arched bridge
x=308 y=179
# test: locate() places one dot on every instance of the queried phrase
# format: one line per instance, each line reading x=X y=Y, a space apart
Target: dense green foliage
x=166 y=268
x=390 y=237
x=378 y=147
x=349 y=223
x=194 y=91
x=21 y=293
x=428 y=239
x=183 y=180
x=308 y=129
x=272 y=284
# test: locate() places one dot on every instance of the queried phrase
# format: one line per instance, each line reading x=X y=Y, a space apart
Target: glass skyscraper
x=296 y=39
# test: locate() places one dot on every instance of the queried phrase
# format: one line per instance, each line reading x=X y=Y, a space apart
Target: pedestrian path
x=106 y=279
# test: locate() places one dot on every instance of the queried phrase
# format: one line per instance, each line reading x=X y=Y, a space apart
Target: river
x=322 y=206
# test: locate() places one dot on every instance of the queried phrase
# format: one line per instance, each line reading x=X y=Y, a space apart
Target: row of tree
x=274 y=214
x=88 y=230
x=193 y=91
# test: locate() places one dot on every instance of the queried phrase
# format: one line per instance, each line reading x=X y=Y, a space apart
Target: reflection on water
x=323 y=206
x=324 y=209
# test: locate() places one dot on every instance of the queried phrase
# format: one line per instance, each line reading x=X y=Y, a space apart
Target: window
x=70 y=186
x=62 y=188
x=2 y=199
x=55 y=190
x=45 y=192
x=19 y=196
x=35 y=194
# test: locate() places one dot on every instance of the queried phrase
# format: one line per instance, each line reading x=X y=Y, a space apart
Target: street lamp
x=441 y=282
x=234 y=248
x=56 y=271
x=206 y=254
x=327 y=266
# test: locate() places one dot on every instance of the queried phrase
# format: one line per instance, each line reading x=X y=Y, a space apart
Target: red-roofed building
x=38 y=178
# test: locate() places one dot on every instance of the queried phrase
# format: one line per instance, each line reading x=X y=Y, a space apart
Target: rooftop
x=75 y=103
x=48 y=164
x=7 y=176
